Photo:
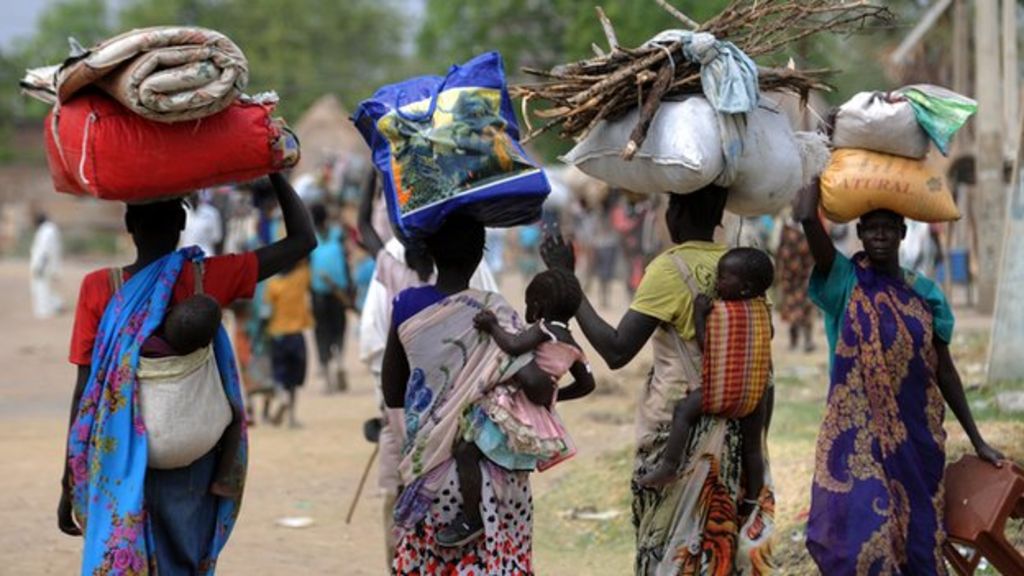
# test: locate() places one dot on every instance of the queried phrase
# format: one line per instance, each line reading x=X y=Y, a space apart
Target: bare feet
x=664 y=474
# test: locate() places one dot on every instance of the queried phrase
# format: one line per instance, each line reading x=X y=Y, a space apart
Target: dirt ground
x=313 y=472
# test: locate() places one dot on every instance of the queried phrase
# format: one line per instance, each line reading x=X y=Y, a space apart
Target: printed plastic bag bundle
x=682 y=152
x=769 y=170
x=859 y=181
x=940 y=112
x=95 y=146
x=451 y=143
x=880 y=122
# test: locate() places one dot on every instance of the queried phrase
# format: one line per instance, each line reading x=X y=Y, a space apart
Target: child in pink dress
x=519 y=429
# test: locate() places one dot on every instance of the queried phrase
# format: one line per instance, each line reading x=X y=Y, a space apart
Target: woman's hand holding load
x=988 y=453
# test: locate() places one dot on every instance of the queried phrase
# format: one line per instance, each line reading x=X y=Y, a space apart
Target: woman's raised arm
x=805 y=211
x=616 y=345
x=300 y=238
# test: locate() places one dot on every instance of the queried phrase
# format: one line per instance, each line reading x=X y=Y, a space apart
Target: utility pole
x=989 y=201
x=962 y=142
x=1011 y=77
x=1005 y=361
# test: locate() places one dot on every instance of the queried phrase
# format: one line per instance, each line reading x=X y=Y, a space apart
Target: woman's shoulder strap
x=197 y=276
x=686 y=274
x=116 y=279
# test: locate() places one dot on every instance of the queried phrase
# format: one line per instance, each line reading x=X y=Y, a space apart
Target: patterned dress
x=794 y=268
x=452 y=368
x=690 y=526
x=877 y=498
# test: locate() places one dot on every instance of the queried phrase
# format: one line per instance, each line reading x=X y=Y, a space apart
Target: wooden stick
x=623 y=73
x=686 y=20
x=609 y=31
x=362 y=482
x=647 y=112
x=526 y=113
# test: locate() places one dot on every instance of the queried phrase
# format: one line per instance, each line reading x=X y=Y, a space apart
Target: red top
x=225 y=279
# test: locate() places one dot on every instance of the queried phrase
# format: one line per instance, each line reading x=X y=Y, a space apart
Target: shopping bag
x=451 y=143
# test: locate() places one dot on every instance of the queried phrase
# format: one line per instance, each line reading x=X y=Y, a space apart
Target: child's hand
x=485 y=321
x=702 y=304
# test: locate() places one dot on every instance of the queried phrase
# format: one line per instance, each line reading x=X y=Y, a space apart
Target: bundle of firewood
x=581 y=94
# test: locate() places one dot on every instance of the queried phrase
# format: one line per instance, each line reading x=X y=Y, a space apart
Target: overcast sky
x=19 y=19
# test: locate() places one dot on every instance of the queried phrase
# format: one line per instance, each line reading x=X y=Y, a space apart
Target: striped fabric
x=737 y=357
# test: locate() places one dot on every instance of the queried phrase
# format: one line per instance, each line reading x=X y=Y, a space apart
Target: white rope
x=85 y=149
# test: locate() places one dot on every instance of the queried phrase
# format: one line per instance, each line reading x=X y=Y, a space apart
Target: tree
x=302 y=48
x=87 y=21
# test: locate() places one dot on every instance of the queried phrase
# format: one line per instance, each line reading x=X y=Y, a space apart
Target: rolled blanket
x=164 y=73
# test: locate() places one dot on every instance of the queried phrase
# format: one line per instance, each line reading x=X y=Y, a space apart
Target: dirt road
x=311 y=472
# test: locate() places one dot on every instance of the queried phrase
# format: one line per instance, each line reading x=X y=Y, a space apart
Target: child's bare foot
x=745 y=509
x=223 y=489
x=660 y=476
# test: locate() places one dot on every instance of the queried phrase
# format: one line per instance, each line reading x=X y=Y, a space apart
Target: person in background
x=495 y=253
x=287 y=300
x=332 y=295
x=44 y=264
x=633 y=217
x=605 y=245
x=203 y=225
x=794 y=268
x=918 y=249
x=529 y=240
x=364 y=269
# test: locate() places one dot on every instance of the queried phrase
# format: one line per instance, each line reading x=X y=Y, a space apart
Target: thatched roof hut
x=325 y=132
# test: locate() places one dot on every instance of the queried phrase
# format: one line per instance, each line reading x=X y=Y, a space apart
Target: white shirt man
x=44 y=264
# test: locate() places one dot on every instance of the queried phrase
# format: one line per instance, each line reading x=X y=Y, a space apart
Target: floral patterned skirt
x=505 y=549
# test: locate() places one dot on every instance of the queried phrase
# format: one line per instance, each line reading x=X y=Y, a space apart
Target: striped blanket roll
x=737 y=357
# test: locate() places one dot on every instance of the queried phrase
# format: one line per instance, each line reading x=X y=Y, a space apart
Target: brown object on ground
x=979 y=499
x=583 y=93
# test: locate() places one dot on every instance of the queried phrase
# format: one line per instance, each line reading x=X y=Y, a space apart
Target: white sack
x=870 y=122
x=682 y=152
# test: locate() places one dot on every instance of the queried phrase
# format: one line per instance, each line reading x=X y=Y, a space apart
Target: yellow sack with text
x=859 y=181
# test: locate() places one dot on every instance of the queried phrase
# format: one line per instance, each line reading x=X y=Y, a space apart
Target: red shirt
x=225 y=279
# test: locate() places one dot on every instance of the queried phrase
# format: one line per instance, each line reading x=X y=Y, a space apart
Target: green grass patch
x=565 y=544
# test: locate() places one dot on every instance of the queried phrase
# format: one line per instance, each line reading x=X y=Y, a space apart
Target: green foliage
x=300 y=48
x=541 y=34
x=87 y=21
x=305 y=48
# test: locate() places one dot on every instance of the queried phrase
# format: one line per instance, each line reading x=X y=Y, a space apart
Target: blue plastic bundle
x=451 y=143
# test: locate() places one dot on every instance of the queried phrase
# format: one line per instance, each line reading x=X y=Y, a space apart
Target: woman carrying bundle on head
x=877 y=497
x=686 y=522
x=151 y=482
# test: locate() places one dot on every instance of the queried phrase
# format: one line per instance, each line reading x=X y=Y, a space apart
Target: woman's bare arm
x=394 y=371
x=616 y=345
x=300 y=237
x=953 y=392
x=805 y=211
